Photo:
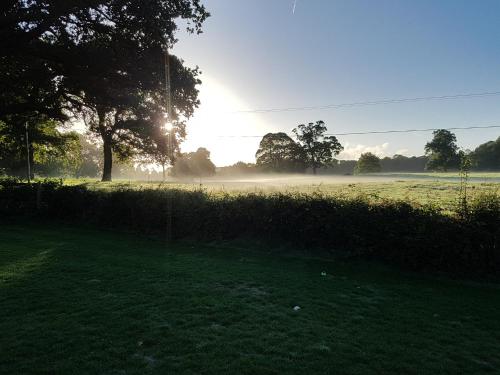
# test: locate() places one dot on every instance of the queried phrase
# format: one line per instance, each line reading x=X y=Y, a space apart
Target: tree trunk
x=314 y=164
x=108 y=160
x=107 y=147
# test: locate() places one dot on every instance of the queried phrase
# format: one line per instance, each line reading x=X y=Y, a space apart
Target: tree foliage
x=402 y=163
x=368 y=163
x=487 y=156
x=319 y=149
x=194 y=164
x=50 y=151
x=239 y=168
x=442 y=151
x=104 y=58
x=164 y=147
x=279 y=153
x=90 y=158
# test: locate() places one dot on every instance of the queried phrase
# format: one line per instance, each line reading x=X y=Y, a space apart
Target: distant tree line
x=239 y=168
x=279 y=153
x=397 y=163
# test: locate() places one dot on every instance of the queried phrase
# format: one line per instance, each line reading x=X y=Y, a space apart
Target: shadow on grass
x=110 y=303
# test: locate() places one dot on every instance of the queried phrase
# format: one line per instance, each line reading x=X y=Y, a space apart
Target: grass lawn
x=81 y=301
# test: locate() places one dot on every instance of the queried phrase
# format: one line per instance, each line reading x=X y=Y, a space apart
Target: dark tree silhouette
x=401 y=163
x=442 y=151
x=128 y=115
x=279 y=153
x=487 y=156
x=105 y=57
x=195 y=164
x=319 y=149
x=29 y=96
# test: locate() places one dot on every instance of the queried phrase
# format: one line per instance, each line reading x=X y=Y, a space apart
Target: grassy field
x=441 y=189
x=81 y=301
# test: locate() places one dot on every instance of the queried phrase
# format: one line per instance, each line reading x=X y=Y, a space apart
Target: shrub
x=484 y=211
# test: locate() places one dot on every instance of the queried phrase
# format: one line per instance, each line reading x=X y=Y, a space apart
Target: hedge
x=416 y=237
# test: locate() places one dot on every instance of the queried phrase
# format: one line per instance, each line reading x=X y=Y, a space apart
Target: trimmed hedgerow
x=417 y=237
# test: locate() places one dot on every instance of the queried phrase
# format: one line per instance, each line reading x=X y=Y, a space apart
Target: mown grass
x=82 y=301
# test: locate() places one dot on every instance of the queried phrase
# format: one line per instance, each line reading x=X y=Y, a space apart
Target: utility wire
x=378 y=131
x=416 y=130
x=370 y=103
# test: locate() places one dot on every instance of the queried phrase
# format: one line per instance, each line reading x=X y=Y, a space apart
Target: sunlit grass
x=454 y=174
x=106 y=303
x=419 y=189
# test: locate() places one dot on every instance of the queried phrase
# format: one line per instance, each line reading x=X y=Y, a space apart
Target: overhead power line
x=371 y=103
x=416 y=130
x=378 y=131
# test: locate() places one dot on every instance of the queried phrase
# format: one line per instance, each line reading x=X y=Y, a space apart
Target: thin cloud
x=403 y=151
x=353 y=152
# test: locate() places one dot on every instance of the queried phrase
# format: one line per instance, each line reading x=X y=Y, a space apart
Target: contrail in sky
x=294 y=5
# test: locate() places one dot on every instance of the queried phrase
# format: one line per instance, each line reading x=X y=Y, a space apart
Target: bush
x=420 y=238
x=484 y=211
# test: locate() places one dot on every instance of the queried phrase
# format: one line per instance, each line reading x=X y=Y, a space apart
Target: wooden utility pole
x=28 y=153
x=168 y=89
x=168 y=102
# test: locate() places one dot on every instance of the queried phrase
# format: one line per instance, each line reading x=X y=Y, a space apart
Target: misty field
x=440 y=189
x=82 y=301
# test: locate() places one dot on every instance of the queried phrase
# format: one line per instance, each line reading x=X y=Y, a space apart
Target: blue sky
x=257 y=54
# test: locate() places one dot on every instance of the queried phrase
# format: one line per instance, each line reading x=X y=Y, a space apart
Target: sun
x=217 y=127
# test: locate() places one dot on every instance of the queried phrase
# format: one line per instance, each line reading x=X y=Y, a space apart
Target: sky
x=259 y=54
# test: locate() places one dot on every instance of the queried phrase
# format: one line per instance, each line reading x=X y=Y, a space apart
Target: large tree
x=129 y=116
x=279 y=153
x=106 y=60
x=442 y=151
x=320 y=150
